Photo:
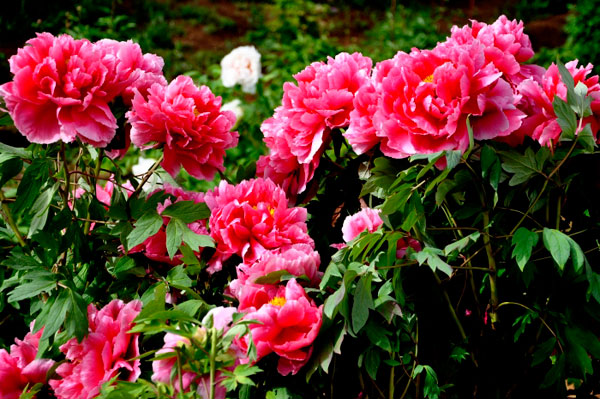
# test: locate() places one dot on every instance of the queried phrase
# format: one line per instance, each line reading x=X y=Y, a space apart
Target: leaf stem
x=87 y=225
x=9 y=219
x=213 y=355
x=148 y=174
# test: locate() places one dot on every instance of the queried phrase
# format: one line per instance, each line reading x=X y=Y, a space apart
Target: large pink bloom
x=20 y=367
x=300 y=128
x=188 y=121
x=366 y=219
x=155 y=246
x=105 y=353
x=290 y=324
x=425 y=97
x=62 y=87
x=298 y=260
x=541 y=123
x=504 y=44
x=252 y=218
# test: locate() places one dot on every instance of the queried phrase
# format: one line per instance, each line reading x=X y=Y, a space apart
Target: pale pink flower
x=106 y=352
x=290 y=322
x=20 y=368
x=188 y=122
x=367 y=219
x=426 y=96
x=541 y=123
x=241 y=65
x=298 y=260
x=252 y=218
x=300 y=128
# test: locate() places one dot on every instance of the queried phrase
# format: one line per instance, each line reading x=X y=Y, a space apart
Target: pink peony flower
x=366 y=219
x=426 y=96
x=403 y=244
x=504 y=43
x=290 y=324
x=155 y=246
x=188 y=121
x=20 y=368
x=105 y=353
x=300 y=127
x=252 y=218
x=133 y=70
x=541 y=123
x=62 y=87
x=298 y=260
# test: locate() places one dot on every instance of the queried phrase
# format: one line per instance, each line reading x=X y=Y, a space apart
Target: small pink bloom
x=290 y=324
x=188 y=122
x=20 y=367
x=298 y=260
x=252 y=218
x=404 y=243
x=105 y=353
x=366 y=219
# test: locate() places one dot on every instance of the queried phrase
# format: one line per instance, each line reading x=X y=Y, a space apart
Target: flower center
x=277 y=301
x=428 y=79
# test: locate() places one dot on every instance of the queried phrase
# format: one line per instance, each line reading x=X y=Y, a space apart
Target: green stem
x=392 y=384
x=147 y=175
x=562 y=161
x=492 y=266
x=9 y=219
x=87 y=225
x=67 y=187
x=213 y=355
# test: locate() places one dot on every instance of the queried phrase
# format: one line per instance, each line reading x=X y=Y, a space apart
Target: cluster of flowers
x=105 y=353
x=419 y=102
x=64 y=88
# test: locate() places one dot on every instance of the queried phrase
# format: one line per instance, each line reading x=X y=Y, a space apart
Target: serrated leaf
x=558 y=245
x=523 y=241
x=522 y=166
x=187 y=211
x=146 y=226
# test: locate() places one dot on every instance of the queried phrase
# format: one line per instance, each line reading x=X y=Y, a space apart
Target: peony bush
x=423 y=226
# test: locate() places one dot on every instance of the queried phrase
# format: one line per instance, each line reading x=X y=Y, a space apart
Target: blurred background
x=193 y=36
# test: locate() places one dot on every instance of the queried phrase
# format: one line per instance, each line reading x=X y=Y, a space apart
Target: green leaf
x=124 y=264
x=558 y=245
x=57 y=313
x=187 y=211
x=9 y=169
x=363 y=301
x=145 y=226
x=586 y=138
x=556 y=373
x=273 y=277
x=461 y=244
x=523 y=167
x=491 y=168
x=523 y=241
x=543 y=351
x=174 y=233
x=397 y=200
x=76 y=322
x=372 y=362
x=40 y=210
x=566 y=76
x=178 y=276
x=452 y=158
x=34 y=178
x=577 y=255
x=566 y=118
x=430 y=256
x=18 y=152
x=38 y=285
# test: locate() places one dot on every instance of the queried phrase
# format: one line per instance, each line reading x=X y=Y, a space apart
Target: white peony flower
x=234 y=106
x=241 y=66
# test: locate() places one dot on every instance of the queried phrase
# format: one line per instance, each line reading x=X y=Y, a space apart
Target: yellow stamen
x=272 y=211
x=428 y=79
x=277 y=301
